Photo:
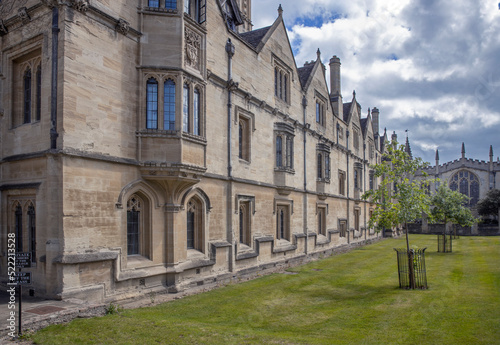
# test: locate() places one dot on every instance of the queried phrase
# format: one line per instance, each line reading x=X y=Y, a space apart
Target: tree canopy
x=401 y=198
x=490 y=205
x=449 y=206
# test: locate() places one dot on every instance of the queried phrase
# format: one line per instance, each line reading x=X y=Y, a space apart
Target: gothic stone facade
x=166 y=143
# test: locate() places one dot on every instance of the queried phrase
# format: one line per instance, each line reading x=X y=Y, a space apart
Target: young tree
x=401 y=199
x=490 y=205
x=449 y=206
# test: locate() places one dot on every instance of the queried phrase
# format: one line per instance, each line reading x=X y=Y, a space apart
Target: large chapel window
x=152 y=103
x=466 y=183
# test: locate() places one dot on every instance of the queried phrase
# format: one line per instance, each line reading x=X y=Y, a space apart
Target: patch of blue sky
x=317 y=20
x=393 y=57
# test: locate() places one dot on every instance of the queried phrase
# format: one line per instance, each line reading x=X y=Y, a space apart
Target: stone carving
x=22 y=13
x=193 y=44
x=80 y=5
x=3 y=28
x=122 y=26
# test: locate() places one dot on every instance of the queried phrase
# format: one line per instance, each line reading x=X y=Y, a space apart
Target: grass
x=346 y=299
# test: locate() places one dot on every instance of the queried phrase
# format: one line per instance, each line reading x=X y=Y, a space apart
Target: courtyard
x=350 y=298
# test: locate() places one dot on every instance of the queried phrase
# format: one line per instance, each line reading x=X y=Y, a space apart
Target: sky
x=431 y=67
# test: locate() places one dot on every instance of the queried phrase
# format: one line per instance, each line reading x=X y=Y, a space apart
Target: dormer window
x=231 y=13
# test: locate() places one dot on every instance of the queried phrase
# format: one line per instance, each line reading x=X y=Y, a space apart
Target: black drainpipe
x=53 y=96
x=230 y=52
x=347 y=179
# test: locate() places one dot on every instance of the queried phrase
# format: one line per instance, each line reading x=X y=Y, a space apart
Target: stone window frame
x=322 y=211
x=200 y=235
x=26 y=107
x=193 y=88
x=355 y=138
x=358 y=176
x=465 y=175
x=144 y=231
x=323 y=161
x=22 y=222
x=357 y=218
x=245 y=206
x=342 y=227
x=342 y=182
x=245 y=119
x=282 y=80
x=284 y=153
x=285 y=205
x=161 y=80
x=320 y=110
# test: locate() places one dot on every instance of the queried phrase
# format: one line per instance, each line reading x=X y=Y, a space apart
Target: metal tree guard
x=417 y=258
x=444 y=243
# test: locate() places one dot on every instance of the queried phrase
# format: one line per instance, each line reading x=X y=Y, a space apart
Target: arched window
x=134 y=207
x=152 y=104
x=38 y=92
x=27 y=96
x=194 y=225
x=185 y=108
x=196 y=112
x=169 y=105
x=466 y=183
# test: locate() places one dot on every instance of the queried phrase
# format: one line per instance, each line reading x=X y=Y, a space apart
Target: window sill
x=283 y=245
x=284 y=169
x=138 y=261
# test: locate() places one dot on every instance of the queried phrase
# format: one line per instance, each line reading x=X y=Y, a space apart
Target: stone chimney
x=375 y=120
x=335 y=89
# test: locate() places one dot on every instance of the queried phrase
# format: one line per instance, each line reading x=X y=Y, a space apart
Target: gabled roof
x=363 y=123
x=255 y=37
x=305 y=73
x=347 y=109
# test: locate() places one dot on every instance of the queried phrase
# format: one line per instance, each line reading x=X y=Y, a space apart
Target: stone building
x=471 y=177
x=152 y=144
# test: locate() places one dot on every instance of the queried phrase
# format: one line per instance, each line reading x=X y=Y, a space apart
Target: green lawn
x=346 y=299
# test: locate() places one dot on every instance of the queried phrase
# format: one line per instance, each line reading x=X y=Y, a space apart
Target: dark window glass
x=196 y=112
x=282 y=225
x=152 y=104
x=279 y=151
x=27 y=96
x=356 y=178
x=190 y=229
x=289 y=153
x=154 y=3
x=32 y=231
x=18 y=216
x=285 y=90
x=242 y=222
x=318 y=115
x=185 y=108
x=240 y=143
x=169 y=105
x=327 y=166
x=320 y=167
x=276 y=82
x=133 y=217
x=38 y=92
x=202 y=11
x=171 y=4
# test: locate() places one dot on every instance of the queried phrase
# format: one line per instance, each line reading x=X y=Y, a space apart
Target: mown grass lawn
x=345 y=299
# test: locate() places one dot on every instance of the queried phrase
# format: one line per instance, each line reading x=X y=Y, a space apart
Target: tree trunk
x=411 y=269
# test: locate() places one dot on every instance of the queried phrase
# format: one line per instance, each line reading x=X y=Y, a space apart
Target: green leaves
x=449 y=206
x=401 y=198
x=490 y=204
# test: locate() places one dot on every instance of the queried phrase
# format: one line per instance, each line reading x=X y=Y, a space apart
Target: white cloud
x=430 y=65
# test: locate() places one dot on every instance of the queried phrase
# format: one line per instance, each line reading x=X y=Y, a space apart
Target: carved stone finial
x=353 y=93
x=437 y=156
x=318 y=54
x=22 y=13
x=122 y=26
x=80 y=5
x=463 y=150
x=280 y=10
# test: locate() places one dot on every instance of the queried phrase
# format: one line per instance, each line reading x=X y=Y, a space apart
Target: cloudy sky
x=430 y=66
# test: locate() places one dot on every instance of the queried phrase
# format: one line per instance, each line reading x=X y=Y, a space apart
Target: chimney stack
x=375 y=120
x=335 y=90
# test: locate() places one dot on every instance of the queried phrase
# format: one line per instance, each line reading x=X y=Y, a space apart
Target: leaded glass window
x=169 y=105
x=466 y=183
x=152 y=104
